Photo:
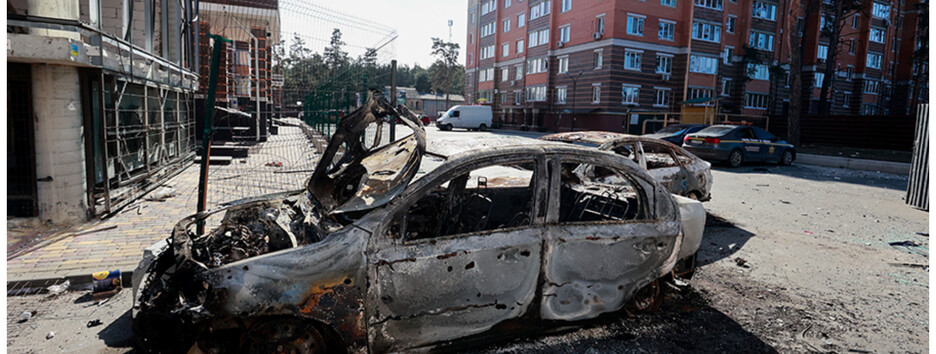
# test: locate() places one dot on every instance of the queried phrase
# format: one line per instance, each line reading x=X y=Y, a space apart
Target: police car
x=736 y=144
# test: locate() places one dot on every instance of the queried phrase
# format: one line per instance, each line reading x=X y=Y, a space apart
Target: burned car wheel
x=647 y=299
x=284 y=335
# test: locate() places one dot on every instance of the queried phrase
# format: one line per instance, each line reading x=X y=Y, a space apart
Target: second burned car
x=678 y=170
x=398 y=246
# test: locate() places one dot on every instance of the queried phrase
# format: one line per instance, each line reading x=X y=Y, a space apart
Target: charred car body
x=378 y=254
x=677 y=169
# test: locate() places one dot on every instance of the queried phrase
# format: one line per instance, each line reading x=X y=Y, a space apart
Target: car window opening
x=593 y=193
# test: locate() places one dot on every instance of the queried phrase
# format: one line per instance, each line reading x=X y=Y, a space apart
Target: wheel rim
x=735 y=158
x=648 y=297
x=787 y=158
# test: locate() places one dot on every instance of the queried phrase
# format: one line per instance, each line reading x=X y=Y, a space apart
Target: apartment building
x=246 y=81
x=100 y=99
x=541 y=61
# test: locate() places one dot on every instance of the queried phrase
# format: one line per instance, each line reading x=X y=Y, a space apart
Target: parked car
x=681 y=172
x=384 y=252
x=469 y=117
x=736 y=144
x=424 y=119
x=676 y=133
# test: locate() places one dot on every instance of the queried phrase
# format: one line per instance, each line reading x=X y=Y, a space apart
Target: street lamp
x=574 y=80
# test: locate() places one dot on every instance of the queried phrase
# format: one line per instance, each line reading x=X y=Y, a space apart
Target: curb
x=900 y=168
x=78 y=282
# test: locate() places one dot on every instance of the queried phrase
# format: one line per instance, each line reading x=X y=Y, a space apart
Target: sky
x=368 y=23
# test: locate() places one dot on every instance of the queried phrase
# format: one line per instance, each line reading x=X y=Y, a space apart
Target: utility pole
x=393 y=99
x=207 y=132
x=574 y=81
x=450 y=23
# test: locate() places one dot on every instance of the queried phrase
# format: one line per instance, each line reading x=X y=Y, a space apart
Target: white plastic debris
x=26 y=315
x=59 y=288
x=50 y=335
x=163 y=193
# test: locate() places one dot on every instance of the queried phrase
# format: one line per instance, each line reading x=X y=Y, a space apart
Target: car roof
x=589 y=137
x=447 y=147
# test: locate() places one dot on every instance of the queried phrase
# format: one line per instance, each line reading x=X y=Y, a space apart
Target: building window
x=726 y=87
x=537 y=38
x=872 y=87
x=536 y=94
x=667 y=30
x=855 y=21
x=755 y=101
x=521 y=20
x=598 y=58
x=507 y=25
x=519 y=70
x=662 y=98
x=881 y=10
x=566 y=5
x=561 y=93
x=635 y=25
x=599 y=24
x=877 y=35
x=518 y=97
x=846 y=98
x=488 y=29
x=712 y=4
x=632 y=59
x=470 y=60
x=818 y=79
x=731 y=24
x=565 y=33
x=849 y=73
x=822 y=52
x=536 y=66
x=763 y=10
x=706 y=32
x=506 y=4
x=758 y=72
x=596 y=93
x=868 y=109
x=699 y=92
x=851 y=46
x=505 y=49
x=703 y=65
x=539 y=10
x=486 y=75
x=505 y=74
x=670 y=3
x=664 y=64
x=487 y=52
x=874 y=60
x=729 y=52
x=630 y=94
x=520 y=46
x=761 y=40
x=563 y=64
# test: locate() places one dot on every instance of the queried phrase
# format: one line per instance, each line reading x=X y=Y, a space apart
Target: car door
x=771 y=151
x=753 y=149
x=461 y=254
x=610 y=232
x=665 y=168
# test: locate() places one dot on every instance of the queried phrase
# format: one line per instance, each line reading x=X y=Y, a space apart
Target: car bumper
x=710 y=154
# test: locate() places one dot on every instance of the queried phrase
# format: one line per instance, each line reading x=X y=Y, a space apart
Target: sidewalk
x=120 y=241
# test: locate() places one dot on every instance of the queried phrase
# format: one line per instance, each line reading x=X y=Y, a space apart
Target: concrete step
x=215 y=160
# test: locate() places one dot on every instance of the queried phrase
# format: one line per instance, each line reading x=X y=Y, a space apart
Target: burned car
x=677 y=169
x=402 y=246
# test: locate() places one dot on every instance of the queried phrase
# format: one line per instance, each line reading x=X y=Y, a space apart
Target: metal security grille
x=918 y=188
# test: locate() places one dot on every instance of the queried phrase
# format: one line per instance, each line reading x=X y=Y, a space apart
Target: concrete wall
x=59 y=143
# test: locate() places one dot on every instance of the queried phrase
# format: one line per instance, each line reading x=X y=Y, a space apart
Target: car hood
x=352 y=176
x=659 y=135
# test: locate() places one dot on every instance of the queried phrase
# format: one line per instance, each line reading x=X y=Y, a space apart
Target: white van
x=468 y=117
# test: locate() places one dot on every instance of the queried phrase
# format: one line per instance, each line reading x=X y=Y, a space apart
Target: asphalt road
x=793 y=259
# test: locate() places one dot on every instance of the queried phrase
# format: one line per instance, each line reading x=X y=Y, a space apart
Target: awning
x=700 y=100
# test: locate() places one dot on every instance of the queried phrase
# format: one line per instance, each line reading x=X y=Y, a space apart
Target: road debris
x=58 y=288
x=274 y=164
x=784 y=201
x=26 y=315
x=50 y=335
x=162 y=194
x=94 y=323
x=741 y=262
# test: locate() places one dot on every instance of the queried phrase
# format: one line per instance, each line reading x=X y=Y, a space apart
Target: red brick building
x=541 y=60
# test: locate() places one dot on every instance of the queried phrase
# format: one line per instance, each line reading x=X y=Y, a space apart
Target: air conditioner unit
x=665 y=77
x=560 y=44
x=596 y=35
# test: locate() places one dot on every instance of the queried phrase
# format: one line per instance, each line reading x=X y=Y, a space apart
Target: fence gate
x=918 y=188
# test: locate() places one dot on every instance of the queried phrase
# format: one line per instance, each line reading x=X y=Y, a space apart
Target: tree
x=335 y=58
x=447 y=54
x=796 y=41
x=839 y=12
x=921 y=54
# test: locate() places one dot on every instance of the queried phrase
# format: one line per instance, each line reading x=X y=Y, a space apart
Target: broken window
x=627 y=150
x=658 y=156
x=590 y=193
x=483 y=199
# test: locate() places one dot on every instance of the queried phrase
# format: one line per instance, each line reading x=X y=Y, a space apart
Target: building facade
x=101 y=99
x=541 y=61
